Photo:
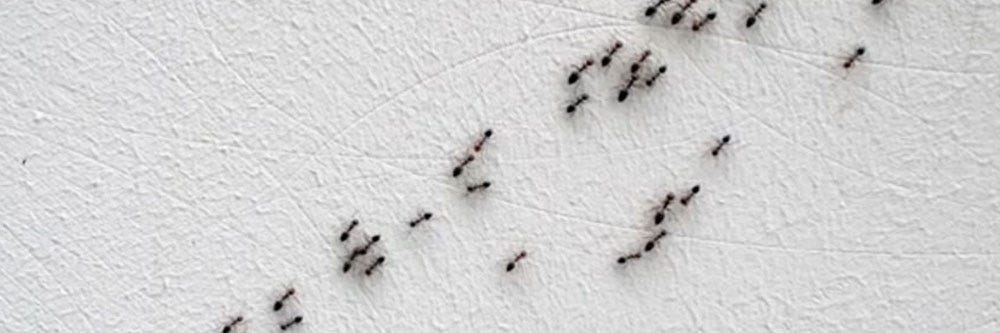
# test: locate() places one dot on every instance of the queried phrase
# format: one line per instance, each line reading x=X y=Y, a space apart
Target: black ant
x=694 y=190
x=638 y=63
x=290 y=323
x=678 y=16
x=280 y=303
x=652 y=243
x=575 y=76
x=572 y=107
x=482 y=141
x=623 y=259
x=512 y=263
x=606 y=60
x=422 y=218
x=461 y=166
x=378 y=262
x=854 y=58
x=347 y=233
x=724 y=141
x=623 y=94
x=708 y=18
x=232 y=324
x=652 y=9
x=753 y=17
x=652 y=79
x=659 y=214
x=478 y=187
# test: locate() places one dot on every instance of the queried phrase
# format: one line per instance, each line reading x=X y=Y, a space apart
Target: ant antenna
x=694 y=190
x=512 y=263
x=638 y=63
x=623 y=94
x=651 y=10
x=482 y=141
x=293 y=322
x=659 y=214
x=572 y=107
x=378 y=262
x=708 y=18
x=281 y=302
x=422 y=218
x=753 y=17
x=575 y=76
x=724 y=141
x=458 y=170
x=347 y=233
x=232 y=324
x=652 y=243
x=659 y=71
x=606 y=60
x=623 y=259
x=478 y=187
x=678 y=16
x=854 y=58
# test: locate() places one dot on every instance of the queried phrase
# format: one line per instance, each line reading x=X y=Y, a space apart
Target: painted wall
x=169 y=165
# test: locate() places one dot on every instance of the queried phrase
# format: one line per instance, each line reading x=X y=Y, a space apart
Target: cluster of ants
x=664 y=207
x=277 y=307
x=471 y=157
x=634 y=75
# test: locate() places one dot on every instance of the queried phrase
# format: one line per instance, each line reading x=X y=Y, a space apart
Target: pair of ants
x=458 y=170
x=649 y=247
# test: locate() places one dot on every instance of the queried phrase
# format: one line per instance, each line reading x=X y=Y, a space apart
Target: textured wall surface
x=169 y=165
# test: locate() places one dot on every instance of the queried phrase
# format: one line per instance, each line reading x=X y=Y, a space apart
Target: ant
x=666 y=202
x=458 y=170
x=724 y=141
x=347 y=233
x=694 y=190
x=623 y=259
x=378 y=262
x=623 y=94
x=606 y=60
x=482 y=141
x=512 y=263
x=425 y=217
x=293 y=322
x=854 y=58
x=575 y=76
x=638 y=63
x=281 y=301
x=708 y=18
x=478 y=187
x=572 y=107
x=659 y=71
x=652 y=9
x=652 y=243
x=753 y=17
x=232 y=324
x=678 y=16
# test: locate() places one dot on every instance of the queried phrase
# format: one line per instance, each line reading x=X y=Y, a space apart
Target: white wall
x=169 y=165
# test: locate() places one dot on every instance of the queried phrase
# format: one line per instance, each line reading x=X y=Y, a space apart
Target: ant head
x=298 y=319
x=764 y=4
x=487 y=184
x=588 y=62
x=726 y=138
x=427 y=216
x=670 y=196
x=618 y=44
x=380 y=259
x=695 y=189
x=662 y=69
x=354 y=222
x=860 y=51
x=711 y=16
x=662 y=233
x=488 y=133
x=584 y=97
